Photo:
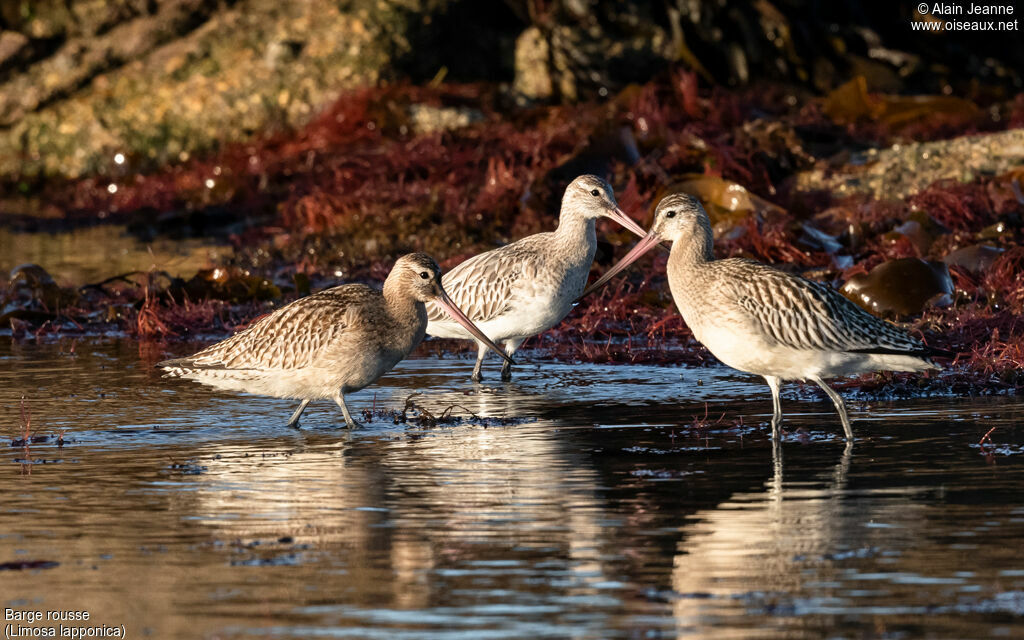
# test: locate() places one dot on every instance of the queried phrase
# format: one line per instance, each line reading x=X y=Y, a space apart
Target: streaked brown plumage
x=328 y=344
x=761 y=320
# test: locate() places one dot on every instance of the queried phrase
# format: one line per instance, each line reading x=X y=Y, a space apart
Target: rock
x=905 y=169
x=164 y=79
x=583 y=49
x=12 y=44
x=82 y=58
x=533 y=77
x=427 y=119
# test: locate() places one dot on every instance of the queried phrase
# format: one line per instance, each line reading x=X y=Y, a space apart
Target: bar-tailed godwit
x=331 y=343
x=528 y=286
x=764 y=321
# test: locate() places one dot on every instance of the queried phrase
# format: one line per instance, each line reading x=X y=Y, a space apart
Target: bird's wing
x=483 y=287
x=806 y=315
x=289 y=338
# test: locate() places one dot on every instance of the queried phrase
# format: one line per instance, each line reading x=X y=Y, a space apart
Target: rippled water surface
x=91 y=254
x=593 y=508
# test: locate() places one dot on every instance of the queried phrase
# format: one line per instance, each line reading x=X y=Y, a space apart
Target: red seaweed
x=359 y=185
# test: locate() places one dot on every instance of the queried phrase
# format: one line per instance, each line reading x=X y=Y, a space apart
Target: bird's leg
x=339 y=398
x=840 y=406
x=777 y=469
x=481 y=351
x=293 y=421
x=843 y=468
x=510 y=348
x=773 y=384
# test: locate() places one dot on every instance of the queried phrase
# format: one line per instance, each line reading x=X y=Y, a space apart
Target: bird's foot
x=295 y=425
x=506 y=375
x=352 y=424
x=476 y=377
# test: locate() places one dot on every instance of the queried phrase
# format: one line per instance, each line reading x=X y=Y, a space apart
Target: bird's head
x=590 y=197
x=419 y=275
x=677 y=216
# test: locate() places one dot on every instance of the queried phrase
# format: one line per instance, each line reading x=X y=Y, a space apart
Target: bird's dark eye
x=424 y=275
x=595 y=193
x=670 y=214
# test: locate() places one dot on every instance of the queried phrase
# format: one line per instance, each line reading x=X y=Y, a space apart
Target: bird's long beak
x=648 y=242
x=446 y=303
x=618 y=215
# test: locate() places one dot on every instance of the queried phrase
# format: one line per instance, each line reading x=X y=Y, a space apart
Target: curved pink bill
x=648 y=242
x=618 y=215
x=446 y=303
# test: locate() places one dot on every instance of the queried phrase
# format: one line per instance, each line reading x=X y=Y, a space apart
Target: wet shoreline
x=303 y=210
x=615 y=505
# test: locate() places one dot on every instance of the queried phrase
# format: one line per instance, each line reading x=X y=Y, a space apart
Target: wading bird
x=331 y=343
x=764 y=321
x=528 y=286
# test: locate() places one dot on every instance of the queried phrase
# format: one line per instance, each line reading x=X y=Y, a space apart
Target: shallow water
x=91 y=254
x=602 y=512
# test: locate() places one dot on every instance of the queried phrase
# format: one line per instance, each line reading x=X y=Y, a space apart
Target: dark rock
x=160 y=80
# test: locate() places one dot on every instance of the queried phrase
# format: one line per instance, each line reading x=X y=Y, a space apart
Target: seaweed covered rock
x=905 y=169
x=87 y=85
x=122 y=86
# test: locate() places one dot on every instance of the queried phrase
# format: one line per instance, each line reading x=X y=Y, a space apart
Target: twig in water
x=704 y=423
x=981 y=443
x=26 y=426
x=426 y=418
x=26 y=422
x=409 y=404
x=448 y=412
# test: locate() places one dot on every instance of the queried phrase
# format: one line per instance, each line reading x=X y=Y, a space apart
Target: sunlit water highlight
x=602 y=513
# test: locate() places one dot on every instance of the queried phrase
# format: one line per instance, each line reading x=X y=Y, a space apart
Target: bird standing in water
x=331 y=343
x=764 y=321
x=530 y=285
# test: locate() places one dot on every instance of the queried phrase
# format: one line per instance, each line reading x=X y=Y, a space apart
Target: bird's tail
x=179 y=363
x=180 y=367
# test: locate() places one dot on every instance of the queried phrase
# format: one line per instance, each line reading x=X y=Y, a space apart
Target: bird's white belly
x=308 y=382
x=753 y=354
x=313 y=382
x=530 y=313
